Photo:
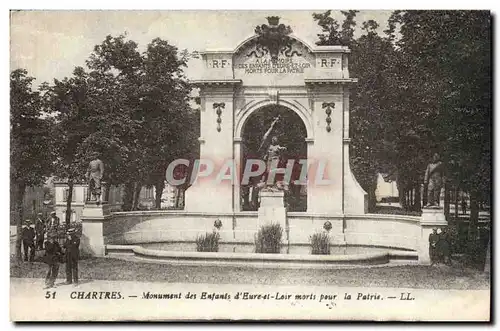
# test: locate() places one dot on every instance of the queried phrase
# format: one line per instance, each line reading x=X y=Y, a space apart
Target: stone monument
x=432 y=213
x=95 y=211
x=271 y=191
x=273 y=67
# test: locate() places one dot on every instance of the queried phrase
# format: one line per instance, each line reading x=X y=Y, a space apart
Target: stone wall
x=173 y=226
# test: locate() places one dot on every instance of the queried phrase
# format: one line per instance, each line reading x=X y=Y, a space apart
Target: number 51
x=50 y=295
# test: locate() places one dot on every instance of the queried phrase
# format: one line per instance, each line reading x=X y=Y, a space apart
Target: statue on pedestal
x=273 y=157
x=433 y=180
x=94 y=175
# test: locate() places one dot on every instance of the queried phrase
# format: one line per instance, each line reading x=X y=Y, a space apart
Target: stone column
x=431 y=219
x=236 y=184
x=214 y=192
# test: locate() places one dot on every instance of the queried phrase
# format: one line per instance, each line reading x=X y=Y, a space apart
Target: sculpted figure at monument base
x=95 y=173
x=433 y=180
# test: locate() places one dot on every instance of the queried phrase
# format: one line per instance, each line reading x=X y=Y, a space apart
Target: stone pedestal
x=94 y=216
x=272 y=209
x=431 y=218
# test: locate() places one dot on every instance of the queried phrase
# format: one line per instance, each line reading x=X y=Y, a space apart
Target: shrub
x=268 y=239
x=320 y=244
x=208 y=242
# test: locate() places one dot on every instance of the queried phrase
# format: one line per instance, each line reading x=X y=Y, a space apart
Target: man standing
x=52 y=257
x=72 y=250
x=464 y=206
x=53 y=222
x=444 y=246
x=39 y=231
x=433 y=239
x=28 y=237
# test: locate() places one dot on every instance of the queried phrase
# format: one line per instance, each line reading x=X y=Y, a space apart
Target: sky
x=49 y=44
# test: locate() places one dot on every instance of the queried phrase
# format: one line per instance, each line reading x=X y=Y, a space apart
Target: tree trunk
x=178 y=192
x=128 y=196
x=425 y=193
x=487 y=262
x=446 y=202
x=418 y=201
x=137 y=193
x=456 y=203
x=372 y=197
x=474 y=216
x=68 y=202
x=406 y=199
x=21 y=187
x=106 y=192
x=412 y=203
x=159 y=186
x=401 y=193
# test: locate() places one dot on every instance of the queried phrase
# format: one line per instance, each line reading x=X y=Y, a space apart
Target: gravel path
x=436 y=277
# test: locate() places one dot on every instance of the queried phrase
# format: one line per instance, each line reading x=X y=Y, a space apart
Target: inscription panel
x=254 y=66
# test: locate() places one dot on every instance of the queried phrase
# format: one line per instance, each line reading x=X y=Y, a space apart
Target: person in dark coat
x=39 y=232
x=433 y=239
x=28 y=238
x=53 y=222
x=53 y=256
x=443 y=246
x=464 y=206
x=72 y=252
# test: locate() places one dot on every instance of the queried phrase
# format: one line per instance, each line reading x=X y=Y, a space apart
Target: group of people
x=69 y=254
x=34 y=235
x=42 y=236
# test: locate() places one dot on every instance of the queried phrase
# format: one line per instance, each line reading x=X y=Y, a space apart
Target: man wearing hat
x=52 y=222
x=39 y=231
x=72 y=250
x=28 y=237
x=52 y=257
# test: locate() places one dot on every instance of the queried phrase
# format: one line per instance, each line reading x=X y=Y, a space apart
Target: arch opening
x=290 y=132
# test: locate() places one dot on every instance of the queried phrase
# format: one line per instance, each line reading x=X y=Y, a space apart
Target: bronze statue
x=274 y=153
x=433 y=180
x=94 y=176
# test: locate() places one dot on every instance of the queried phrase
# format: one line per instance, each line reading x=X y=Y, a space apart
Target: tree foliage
x=30 y=143
x=424 y=87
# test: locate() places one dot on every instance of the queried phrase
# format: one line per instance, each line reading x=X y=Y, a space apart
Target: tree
x=448 y=53
x=71 y=103
x=370 y=61
x=154 y=96
x=30 y=143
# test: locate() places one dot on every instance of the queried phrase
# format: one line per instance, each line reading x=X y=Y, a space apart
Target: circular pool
x=285 y=249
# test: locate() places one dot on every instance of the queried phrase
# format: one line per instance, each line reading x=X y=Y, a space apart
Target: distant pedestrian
x=443 y=246
x=28 y=238
x=39 y=231
x=433 y=239
x=53 y=222
x=72 y=252
x=53 y=256
x=464 y=206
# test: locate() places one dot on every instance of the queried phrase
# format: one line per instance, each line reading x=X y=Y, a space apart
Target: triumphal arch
x=274 y=72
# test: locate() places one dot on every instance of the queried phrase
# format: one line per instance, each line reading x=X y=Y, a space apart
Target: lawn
x=436 y=277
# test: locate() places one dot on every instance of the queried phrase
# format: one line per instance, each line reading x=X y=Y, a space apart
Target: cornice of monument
x=330 y=80
x=253 y=37
x=215 y=82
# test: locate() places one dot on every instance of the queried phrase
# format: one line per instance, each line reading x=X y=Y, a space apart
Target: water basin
x=250 y=248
